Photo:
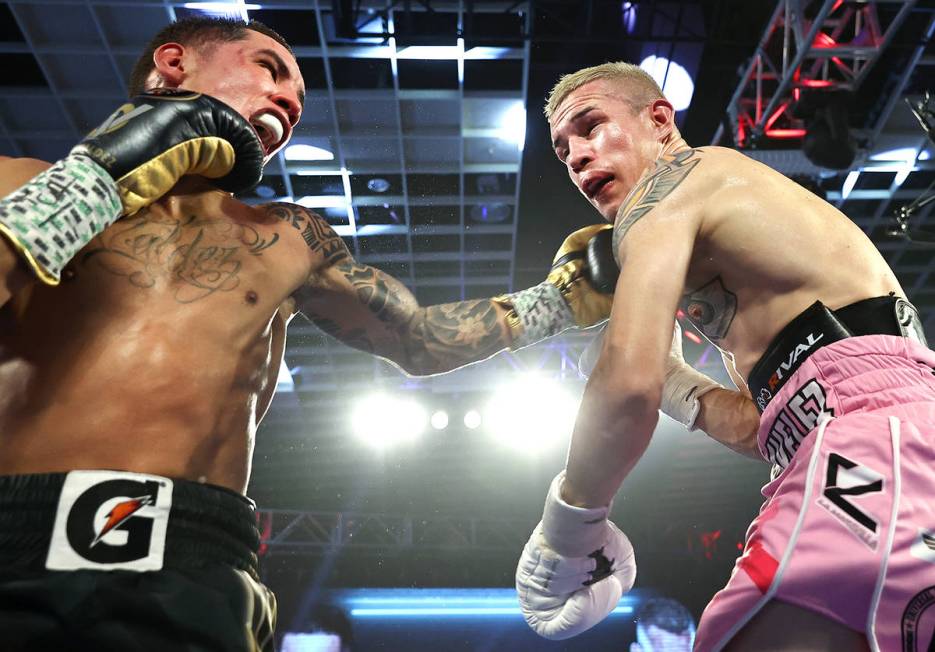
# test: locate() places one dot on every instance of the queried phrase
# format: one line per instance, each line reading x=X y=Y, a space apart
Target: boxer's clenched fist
x=154 y=140
x=573 y=570
x=135 y=157
x=587 y=288
x=577 y=291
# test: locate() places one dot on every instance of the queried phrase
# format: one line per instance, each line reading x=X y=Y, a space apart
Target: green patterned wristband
x=50 y=218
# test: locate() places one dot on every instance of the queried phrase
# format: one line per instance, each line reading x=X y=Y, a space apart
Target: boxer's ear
x=662 y=114
x=169 y=63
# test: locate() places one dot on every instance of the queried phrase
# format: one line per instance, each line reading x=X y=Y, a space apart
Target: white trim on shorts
x=894 y=513
x=777 y=577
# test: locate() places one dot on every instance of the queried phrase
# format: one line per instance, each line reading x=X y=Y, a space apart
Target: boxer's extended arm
x=618 y=412
x=372 y=311
x=14 y=275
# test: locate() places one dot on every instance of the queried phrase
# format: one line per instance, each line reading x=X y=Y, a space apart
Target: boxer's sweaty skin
x=765 y=250
x=739 y=247
x=762 y=248
x=160 y=349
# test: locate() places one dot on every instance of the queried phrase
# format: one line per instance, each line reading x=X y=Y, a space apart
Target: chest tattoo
x=711 y=308
x=199 y=256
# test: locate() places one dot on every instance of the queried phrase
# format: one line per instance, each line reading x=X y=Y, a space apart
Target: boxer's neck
x=194 y=190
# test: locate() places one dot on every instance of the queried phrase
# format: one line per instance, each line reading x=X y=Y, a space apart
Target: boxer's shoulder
x=317 y=235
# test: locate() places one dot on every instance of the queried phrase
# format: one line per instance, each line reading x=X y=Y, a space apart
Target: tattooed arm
x=654 y=236
x=370 y=310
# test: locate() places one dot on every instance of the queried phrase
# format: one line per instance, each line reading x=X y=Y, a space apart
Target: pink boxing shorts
x=847 y=529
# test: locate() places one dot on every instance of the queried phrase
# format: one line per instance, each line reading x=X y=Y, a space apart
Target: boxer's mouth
x=595 y=183
x=270 y=130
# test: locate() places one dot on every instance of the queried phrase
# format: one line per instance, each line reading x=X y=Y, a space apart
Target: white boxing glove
x=574 y=568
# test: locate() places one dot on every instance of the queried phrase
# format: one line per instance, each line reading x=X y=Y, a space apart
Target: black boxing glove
x=602 y=264
x=568 y=297
x=135 y=157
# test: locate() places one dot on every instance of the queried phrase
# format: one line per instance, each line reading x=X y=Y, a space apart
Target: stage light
x=302 y=152
x=531 y=413
x=410 y=603
x=673 y=79
x=314 y=642
x=236 y=7
x=849 y=183
x=380 y=420
x=322 y=201
x=439 y=420
x=284 y=382
x=900 y=154
x=472 y=419
x=513 y=124
x=828 y=142
x=431 y=52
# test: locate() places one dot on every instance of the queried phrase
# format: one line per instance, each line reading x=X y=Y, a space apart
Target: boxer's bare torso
x=160 y=349
x=766 y=249
x=761 y=248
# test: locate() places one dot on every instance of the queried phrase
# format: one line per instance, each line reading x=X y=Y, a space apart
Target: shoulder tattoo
x=317 y=233
x=666 y=177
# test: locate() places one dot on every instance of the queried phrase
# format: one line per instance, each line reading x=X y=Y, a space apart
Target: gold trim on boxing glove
x=44 y=274
x=208 y=156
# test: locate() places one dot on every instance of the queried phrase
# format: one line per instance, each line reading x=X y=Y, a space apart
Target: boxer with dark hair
x=834 y=378
x=131 y=390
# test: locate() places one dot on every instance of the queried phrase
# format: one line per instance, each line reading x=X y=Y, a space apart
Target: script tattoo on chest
x=197 y=256
x=711 y=308
x=660 y=183
x=316 y=232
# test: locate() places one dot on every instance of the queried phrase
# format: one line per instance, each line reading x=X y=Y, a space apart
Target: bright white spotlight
x=439 y=420
x=302 y=152
x=284 y=382
x=472 y=419
x=314 y=642
x=380 y=420
x=513 y=124
x=531 y=413
x=901 y=154
x=431 y=52
x=849 y=182
x=221 y=7
x=676 y=83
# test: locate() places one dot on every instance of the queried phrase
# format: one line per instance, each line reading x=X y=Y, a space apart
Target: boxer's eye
x=270 y=67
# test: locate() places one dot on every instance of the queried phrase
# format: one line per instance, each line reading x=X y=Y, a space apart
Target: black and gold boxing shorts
x=108 y=560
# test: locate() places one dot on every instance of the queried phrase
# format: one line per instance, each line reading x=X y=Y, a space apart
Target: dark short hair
x=198 y=31
x=665 y=613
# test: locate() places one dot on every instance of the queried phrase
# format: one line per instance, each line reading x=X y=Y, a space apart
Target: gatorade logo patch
x=109 y=520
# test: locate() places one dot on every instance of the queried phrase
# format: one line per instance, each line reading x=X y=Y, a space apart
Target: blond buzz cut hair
x=638 y=88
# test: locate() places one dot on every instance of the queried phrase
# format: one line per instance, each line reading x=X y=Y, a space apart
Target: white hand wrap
x=684 y=385
x=562 y=595
x=683 y=388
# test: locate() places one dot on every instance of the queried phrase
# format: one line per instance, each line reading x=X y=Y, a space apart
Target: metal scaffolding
x=824 y=46
x=303 y=532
